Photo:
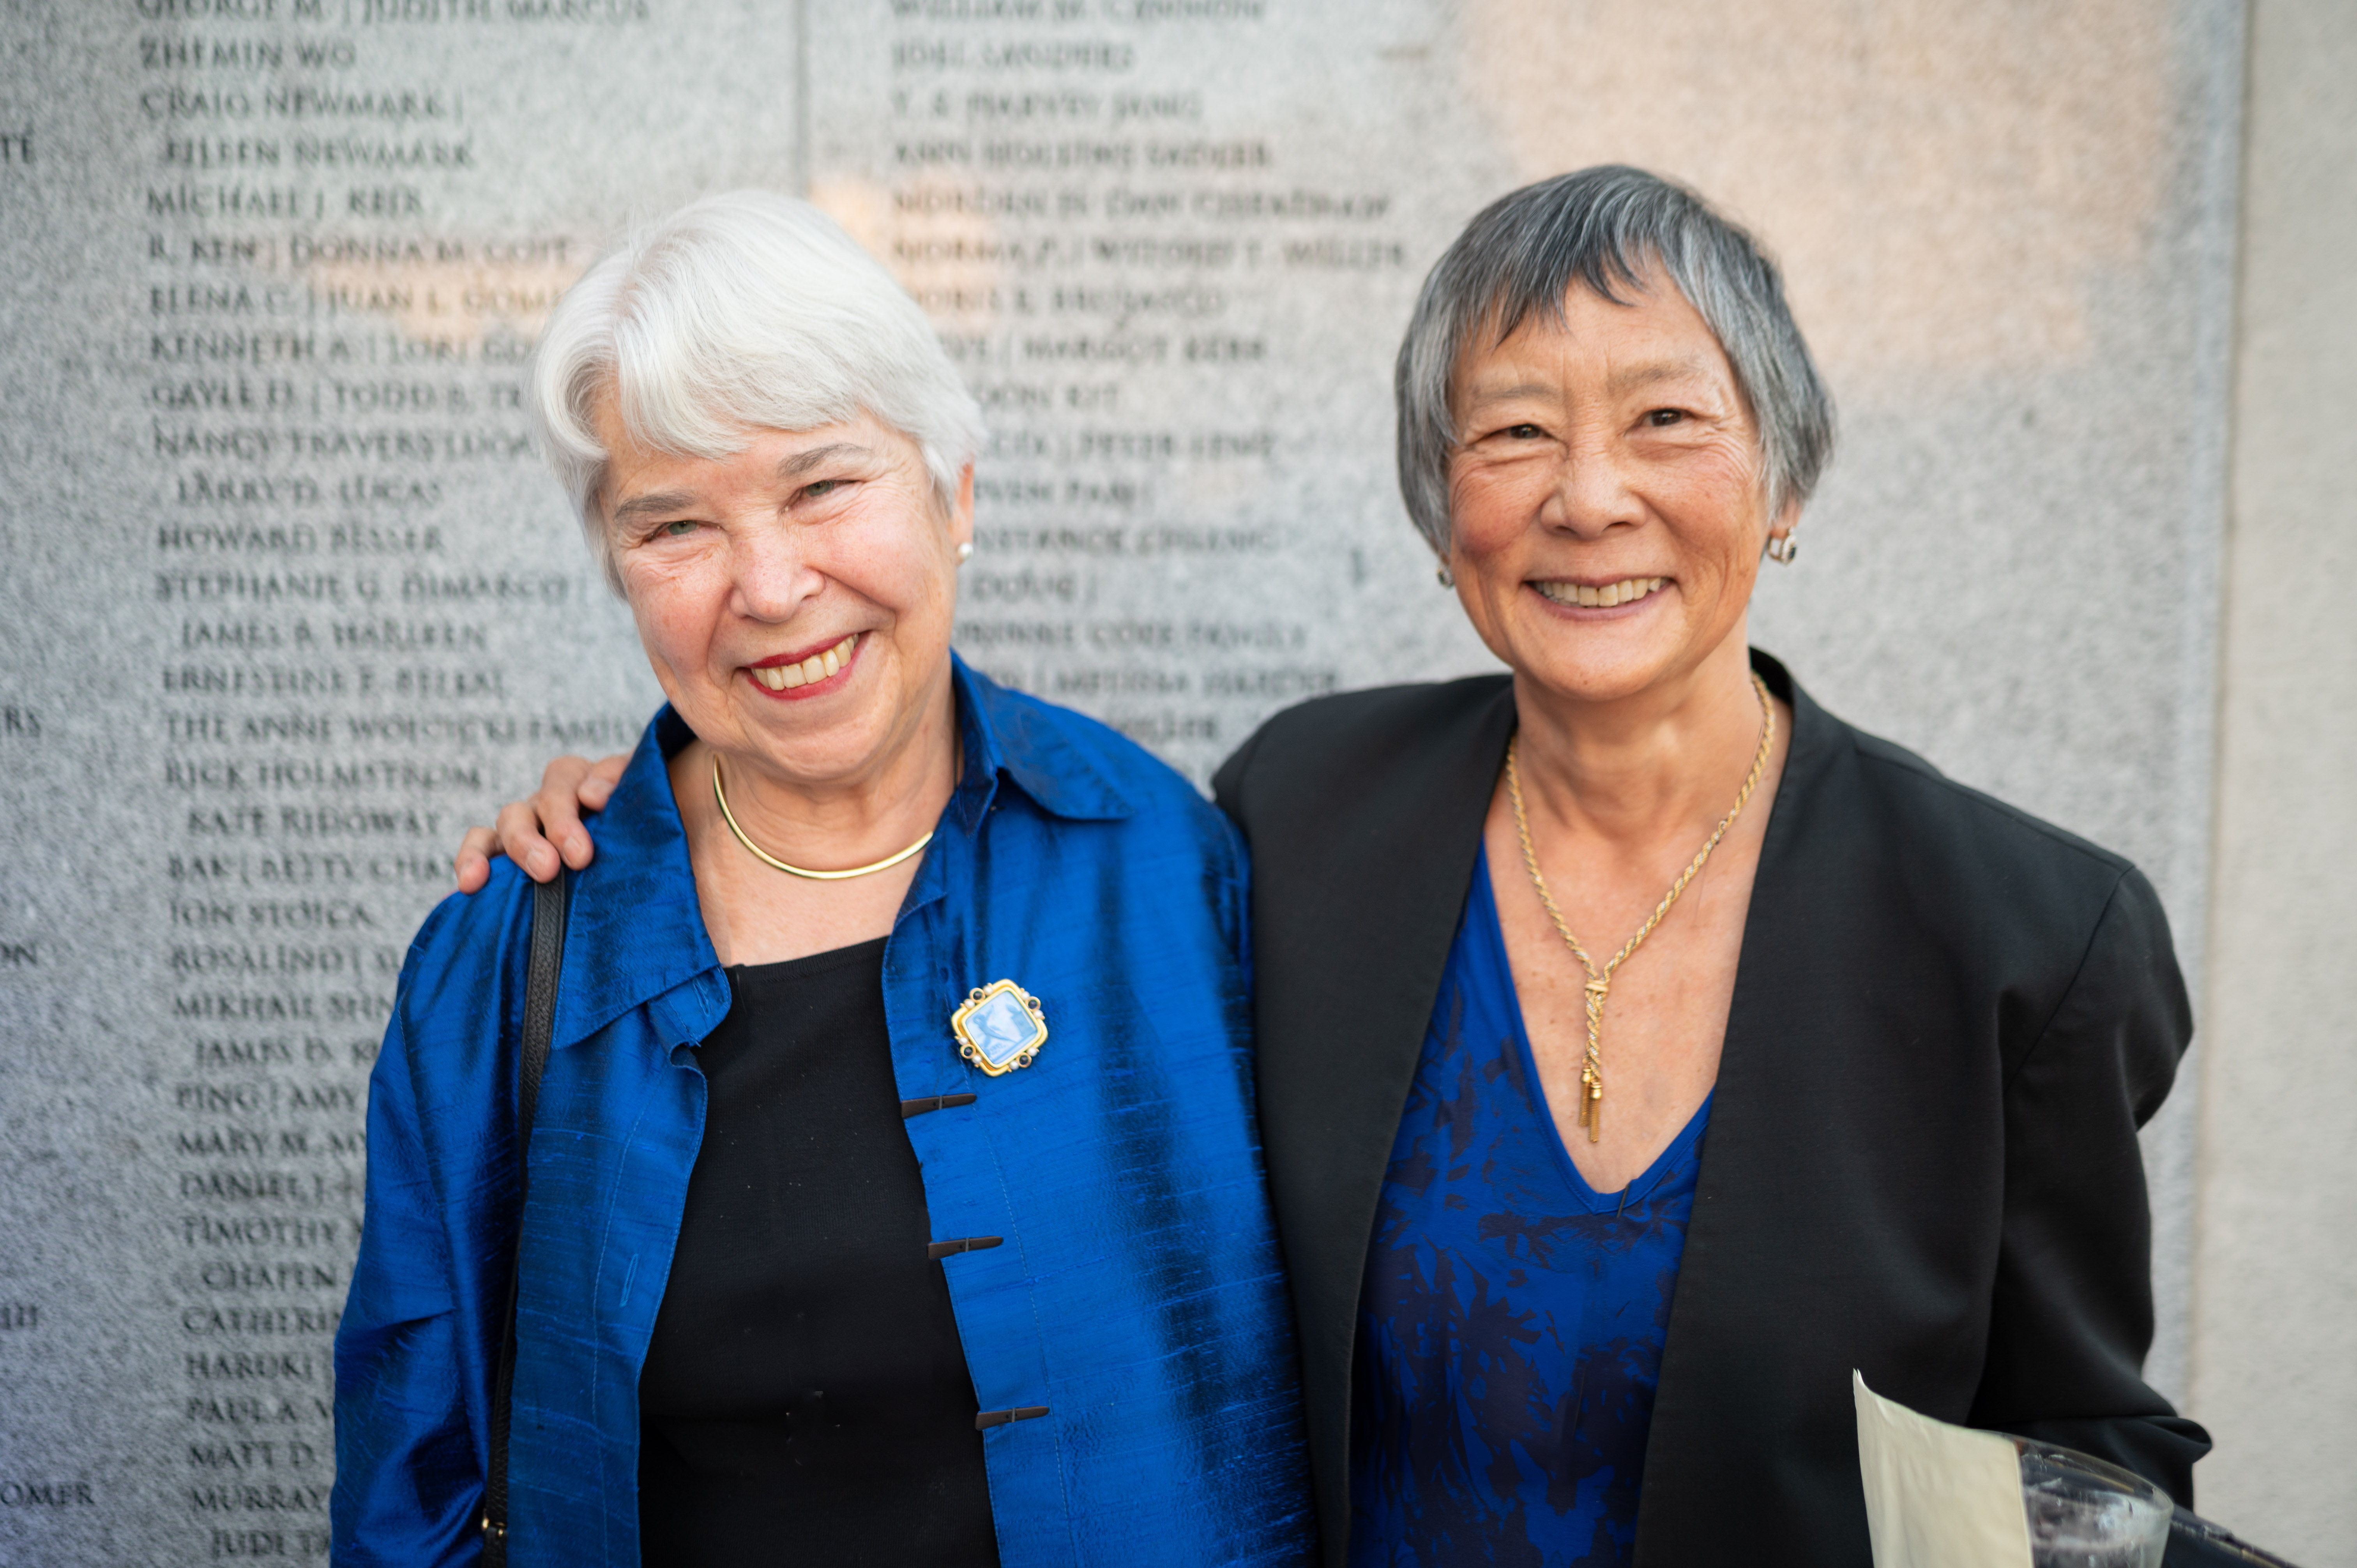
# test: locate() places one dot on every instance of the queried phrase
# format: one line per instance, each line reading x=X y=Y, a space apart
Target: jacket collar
x=634 y=934
x=1004 y=734
x=1817 y=738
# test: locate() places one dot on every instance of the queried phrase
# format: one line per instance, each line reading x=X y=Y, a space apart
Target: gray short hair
x=743 y=312
x=1605 y=227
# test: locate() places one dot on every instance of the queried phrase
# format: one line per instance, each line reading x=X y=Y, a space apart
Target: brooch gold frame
x=976 y=1000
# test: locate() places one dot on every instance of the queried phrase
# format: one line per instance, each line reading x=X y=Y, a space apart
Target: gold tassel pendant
x=1600 y=981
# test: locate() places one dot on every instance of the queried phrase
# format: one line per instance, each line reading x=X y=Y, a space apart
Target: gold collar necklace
x=766 y=858
x=1600 y=981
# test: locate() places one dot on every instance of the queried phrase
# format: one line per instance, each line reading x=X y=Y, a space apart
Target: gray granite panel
x=287 y=600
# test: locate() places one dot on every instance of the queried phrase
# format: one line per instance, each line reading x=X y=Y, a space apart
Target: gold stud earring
x=1781 y=548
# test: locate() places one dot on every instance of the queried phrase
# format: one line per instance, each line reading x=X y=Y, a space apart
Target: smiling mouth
x=1627 y=591
x=817 y=667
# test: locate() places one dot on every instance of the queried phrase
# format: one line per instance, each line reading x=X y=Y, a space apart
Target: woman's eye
x=677 y=528
x=1662 y=416
x=818 y=487
x=1523 y=433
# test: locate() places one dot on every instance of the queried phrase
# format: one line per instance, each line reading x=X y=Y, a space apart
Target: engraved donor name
x=14 y=1494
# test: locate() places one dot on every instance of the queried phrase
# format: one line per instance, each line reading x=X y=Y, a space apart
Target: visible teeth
x=1629 y=590
x=817 y=667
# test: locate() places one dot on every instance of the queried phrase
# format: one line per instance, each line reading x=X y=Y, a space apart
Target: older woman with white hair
x=889 y=1192
x=1642 y=1049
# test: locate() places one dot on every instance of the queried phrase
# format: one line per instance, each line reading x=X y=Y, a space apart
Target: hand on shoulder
x=544 y=829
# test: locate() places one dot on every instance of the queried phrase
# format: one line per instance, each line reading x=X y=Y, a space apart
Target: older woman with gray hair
x=889 y=1193
x=1642 y=1049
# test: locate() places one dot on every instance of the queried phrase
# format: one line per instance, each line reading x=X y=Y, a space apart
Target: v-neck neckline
x=1490 y=931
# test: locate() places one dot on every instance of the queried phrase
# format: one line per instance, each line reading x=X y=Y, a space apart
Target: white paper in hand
x=1937 y=1495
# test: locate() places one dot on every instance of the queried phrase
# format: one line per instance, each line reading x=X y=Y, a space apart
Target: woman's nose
x=1590 y=493
x=770 y=578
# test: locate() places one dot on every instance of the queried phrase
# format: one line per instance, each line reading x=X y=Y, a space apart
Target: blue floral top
x=1511 y=1327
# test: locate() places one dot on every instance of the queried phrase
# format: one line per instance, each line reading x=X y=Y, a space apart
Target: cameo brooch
x=1000 y=1028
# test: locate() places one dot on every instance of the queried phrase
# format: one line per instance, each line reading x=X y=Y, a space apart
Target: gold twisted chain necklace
x=1600 y=981
x=766 y=858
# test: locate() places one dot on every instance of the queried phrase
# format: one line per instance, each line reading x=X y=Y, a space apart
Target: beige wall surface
x=2275 y=1344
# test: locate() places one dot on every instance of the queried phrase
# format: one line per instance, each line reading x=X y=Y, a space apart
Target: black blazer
x=1949 y=1021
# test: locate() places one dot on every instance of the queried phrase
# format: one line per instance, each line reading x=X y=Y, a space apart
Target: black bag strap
x=549 y=902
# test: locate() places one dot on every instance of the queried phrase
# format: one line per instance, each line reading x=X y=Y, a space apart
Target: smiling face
x=795 y=599
x=1606 y=500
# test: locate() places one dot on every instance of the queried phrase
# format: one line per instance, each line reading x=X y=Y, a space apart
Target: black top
x=1949 y=1021
x=805 y=1396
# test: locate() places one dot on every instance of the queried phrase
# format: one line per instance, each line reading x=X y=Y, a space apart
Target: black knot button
x=991 y=1418
x=964 y=1244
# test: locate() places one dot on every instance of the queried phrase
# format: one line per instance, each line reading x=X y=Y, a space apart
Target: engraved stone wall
x=287 y=599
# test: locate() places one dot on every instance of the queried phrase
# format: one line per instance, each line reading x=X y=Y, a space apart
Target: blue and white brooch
x=1000 y=1028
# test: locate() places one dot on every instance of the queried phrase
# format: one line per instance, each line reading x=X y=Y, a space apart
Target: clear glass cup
x=2085 y=1513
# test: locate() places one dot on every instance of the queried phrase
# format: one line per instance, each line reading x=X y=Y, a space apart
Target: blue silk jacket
x=1139 y=1294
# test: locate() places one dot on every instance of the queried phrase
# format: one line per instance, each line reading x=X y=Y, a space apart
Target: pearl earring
x=965 y=552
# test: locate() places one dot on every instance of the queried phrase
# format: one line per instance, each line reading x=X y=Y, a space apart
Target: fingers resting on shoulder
x=539 y=833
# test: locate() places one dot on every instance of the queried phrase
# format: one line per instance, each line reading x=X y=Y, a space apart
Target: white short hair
x=738 y=312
